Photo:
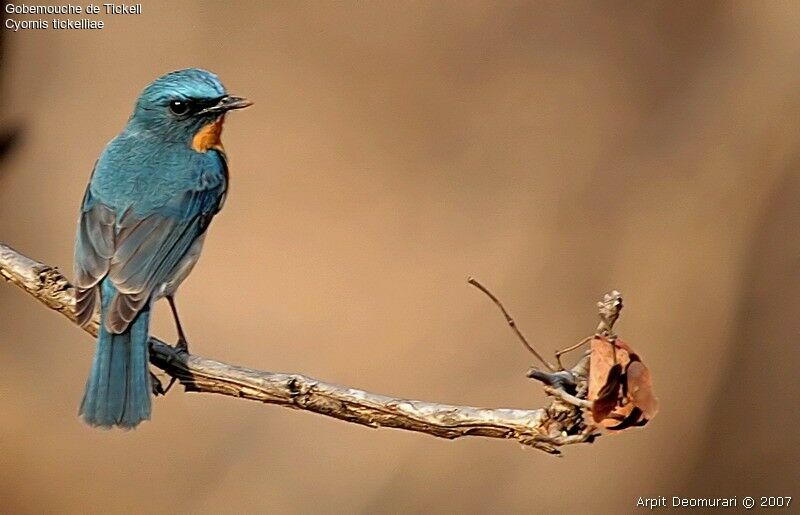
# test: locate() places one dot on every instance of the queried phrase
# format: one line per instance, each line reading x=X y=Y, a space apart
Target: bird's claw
x=169 y=385
x=182 y=346
x=156 y=386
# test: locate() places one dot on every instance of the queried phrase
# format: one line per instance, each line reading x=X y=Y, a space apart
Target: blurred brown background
x=554 y=150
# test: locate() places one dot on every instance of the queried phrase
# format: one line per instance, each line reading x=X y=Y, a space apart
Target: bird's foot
x=156 y=386
x=171 y=382
x=182 y=345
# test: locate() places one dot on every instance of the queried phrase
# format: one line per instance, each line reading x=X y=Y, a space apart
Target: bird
x=151 y=197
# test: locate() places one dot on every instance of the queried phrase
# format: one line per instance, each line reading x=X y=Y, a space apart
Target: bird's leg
x=169 y=385
x=182 y=344
x=155 y=385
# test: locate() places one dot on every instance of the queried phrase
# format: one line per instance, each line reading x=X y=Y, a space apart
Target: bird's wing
x=140 y=251
x=94 y=248
x=149 y=248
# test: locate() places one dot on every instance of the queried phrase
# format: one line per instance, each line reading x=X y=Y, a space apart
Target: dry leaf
x=608 y=396
x=639 y=386
x=620 y=386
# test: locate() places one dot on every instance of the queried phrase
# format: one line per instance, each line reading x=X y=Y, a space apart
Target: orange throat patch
x=209 y=136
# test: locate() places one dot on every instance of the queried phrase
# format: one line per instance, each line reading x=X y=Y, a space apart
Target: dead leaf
x=608 y=396
x=640 y=387
x=620 y=386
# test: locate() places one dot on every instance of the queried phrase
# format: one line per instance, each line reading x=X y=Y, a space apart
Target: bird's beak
x=227 y=103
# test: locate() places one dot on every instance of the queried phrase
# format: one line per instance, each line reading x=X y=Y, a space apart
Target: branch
x=510 y=320
x=561 y=423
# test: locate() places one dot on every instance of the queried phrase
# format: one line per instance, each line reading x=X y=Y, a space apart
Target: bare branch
x=566 y=397
x=571 y=348
x=546 y=429
x=474 y=282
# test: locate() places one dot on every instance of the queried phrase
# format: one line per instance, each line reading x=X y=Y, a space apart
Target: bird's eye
x=179 y=107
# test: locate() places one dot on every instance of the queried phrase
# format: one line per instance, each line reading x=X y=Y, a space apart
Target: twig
x=571 y=348
x=609 y=310
x=536 y=428
x=474 y=282
x=566 y=397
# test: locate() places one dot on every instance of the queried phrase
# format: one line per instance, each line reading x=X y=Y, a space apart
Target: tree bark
x=561 y=423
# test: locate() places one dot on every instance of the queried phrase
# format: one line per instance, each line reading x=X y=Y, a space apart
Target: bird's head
x=185 y=106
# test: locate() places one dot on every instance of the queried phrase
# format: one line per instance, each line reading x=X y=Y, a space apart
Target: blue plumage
x=153 y=192
x=118 y=389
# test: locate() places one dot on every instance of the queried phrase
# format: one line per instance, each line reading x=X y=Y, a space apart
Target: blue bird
x=152 y=194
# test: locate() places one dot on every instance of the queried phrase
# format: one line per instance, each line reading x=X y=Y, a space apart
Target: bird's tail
x=118 y=390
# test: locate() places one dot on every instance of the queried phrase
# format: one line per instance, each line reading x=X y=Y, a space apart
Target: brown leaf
x=604 y=355
x=640 y=388
x=608 y=396
x=632 y=420
x=620 y=386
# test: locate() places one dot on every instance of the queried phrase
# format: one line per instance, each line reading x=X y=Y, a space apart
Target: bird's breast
x=209 y=136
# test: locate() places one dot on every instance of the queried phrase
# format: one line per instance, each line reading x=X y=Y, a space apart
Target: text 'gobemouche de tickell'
x=57 y=23
x=73 y=9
